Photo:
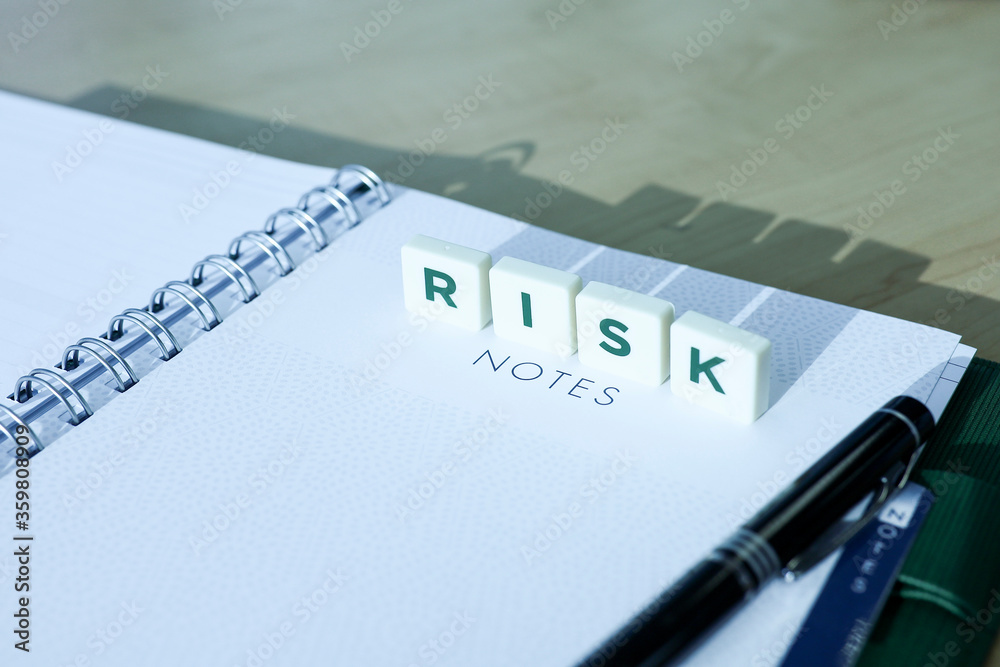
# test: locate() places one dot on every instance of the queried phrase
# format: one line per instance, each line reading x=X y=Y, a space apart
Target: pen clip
x=838 y=534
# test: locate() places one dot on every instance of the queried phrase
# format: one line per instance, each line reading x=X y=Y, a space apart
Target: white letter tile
x=719 y=366
x=535 y=305
x=624 y=332
x=447 y=282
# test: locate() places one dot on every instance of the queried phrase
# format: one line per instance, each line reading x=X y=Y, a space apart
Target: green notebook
x=945 y=605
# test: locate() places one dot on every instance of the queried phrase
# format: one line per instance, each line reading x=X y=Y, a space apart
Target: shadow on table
x=751 y=244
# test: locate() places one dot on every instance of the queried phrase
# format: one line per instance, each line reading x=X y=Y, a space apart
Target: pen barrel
x=673 y=625
x=867 y=459
x=863 y=462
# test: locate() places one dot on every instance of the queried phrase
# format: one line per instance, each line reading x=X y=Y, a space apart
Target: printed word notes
x=631 y=335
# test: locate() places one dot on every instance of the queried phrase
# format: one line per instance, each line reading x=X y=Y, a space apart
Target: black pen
x=793 y=532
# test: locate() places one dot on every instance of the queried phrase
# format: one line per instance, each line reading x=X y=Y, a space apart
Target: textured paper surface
x=324 y=478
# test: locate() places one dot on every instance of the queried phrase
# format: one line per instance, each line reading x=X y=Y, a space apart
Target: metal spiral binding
x=268 y=245
x=71 y=359
x=116 y=329
x=156 y=301
x=24 y=390
x=194 y=295
x=303 y=220
x=16 y=418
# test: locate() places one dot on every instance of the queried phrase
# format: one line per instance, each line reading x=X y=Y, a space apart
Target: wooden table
x=843 y=150
x=846 y=151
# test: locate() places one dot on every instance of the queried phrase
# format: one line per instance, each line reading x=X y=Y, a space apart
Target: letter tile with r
x=447 y=282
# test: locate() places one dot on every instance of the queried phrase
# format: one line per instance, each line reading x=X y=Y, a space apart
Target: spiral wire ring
x=69 y=364
x=23 y=389
x=156 y=304
x=335 y=198
x=98 y=358
x=61 y=380
x=268 y=245
x=223 y=263
x=368 y=177
x=17 y=420
x=116 y=330
x=303 y=220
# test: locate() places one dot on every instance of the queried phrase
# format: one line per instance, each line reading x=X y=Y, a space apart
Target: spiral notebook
x=264 y=459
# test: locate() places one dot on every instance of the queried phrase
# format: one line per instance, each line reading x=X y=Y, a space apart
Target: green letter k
x=697 y=368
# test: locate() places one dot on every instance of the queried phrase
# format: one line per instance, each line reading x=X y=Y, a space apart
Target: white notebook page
x=98 y=212
x=324 y=480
